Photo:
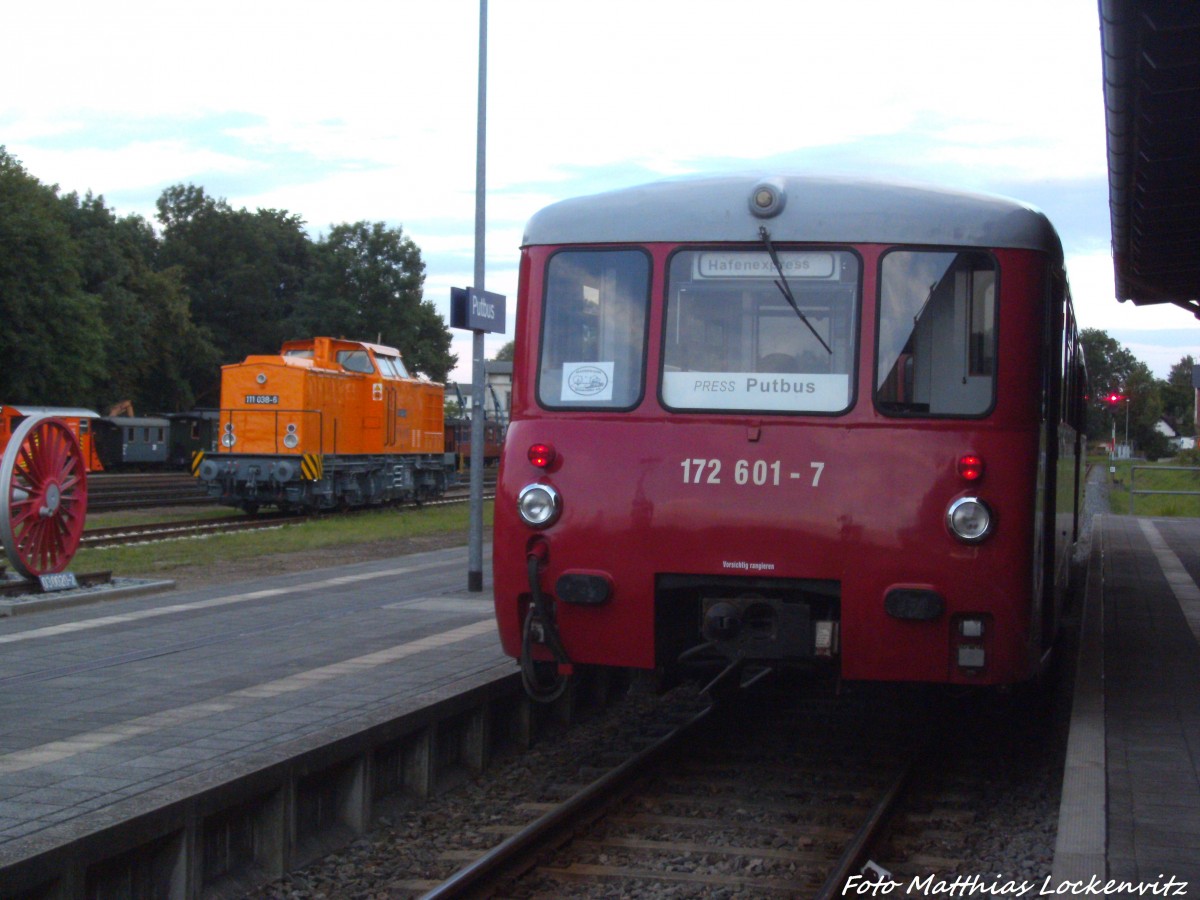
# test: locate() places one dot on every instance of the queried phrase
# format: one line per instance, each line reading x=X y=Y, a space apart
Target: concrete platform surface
x=1131 y=798
x=115 y=707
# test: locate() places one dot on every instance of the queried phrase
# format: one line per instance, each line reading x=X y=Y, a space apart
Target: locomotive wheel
x=43 y=496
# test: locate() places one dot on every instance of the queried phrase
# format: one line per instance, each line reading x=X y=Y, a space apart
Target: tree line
x=1143 y=400
x=96 y=309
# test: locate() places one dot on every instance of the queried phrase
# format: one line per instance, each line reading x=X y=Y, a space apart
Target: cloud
x=134 y=167
x=365 y=110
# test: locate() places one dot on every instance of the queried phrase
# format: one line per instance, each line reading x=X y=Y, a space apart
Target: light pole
x=478 y=365
x=1127 y=449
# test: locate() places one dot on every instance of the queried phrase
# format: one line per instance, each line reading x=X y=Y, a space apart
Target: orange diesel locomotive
x=326 y=423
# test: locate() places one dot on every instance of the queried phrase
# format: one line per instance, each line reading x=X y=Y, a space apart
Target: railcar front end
x=834 y=434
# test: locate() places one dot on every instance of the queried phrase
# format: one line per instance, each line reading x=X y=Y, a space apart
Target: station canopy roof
x=1151 y=52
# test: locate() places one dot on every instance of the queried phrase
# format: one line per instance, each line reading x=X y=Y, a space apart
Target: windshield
x=937 y=334
x=391 y=366
x=736 y=340
x=356 y=361
x=594 y=329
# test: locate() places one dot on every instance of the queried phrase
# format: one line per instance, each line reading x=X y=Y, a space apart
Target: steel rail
x=115 y=537
x=507 y=854
x=854 y=857
x=128 y=534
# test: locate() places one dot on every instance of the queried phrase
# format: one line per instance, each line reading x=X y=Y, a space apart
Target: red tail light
x=970 y=467
x=541 y=455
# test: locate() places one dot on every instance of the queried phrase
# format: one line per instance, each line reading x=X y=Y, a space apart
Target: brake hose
x=539 y=614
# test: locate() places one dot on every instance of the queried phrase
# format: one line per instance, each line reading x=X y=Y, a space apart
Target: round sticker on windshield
x=587 y=381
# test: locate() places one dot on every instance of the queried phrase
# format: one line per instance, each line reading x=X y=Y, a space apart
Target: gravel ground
x=1095 y=503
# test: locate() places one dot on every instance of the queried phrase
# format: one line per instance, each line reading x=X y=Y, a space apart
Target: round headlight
x=227 y=439
x=290 y=440
x=969 y=519
x=767 y=199
x=539 y=505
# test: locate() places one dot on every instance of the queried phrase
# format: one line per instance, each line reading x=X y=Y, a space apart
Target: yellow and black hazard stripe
x=197 y=458
x=312 y=466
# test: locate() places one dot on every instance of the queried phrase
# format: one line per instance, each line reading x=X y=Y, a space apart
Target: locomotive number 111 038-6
x=756 y=472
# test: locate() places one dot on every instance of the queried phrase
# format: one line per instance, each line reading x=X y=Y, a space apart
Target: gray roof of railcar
x=136 y=421
x=211 y=414
x=834 y=210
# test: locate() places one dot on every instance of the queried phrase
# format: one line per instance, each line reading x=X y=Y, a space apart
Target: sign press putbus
x=477 y=310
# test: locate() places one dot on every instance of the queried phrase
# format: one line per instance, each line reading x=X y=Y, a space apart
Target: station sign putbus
x=477 y=310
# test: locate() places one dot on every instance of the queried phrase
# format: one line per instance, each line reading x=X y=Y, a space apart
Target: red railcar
x=458 y=440
x=790 y=421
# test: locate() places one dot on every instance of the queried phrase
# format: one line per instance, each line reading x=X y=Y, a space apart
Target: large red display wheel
x=43 y=496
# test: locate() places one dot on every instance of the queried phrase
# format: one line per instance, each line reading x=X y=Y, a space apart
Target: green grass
x=1146 y=478
x=125 y=517
x=161 y=558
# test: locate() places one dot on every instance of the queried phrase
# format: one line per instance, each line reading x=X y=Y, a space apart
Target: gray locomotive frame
x=252 y=481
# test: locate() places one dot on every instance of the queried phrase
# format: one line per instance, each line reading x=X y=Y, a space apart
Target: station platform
x=1130 y=813
x=234 y=728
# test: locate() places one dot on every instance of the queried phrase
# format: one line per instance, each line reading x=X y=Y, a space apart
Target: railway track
x=159 y=531
x=731 y=802
x=762 y=801
x=142 y=533
x=144 y=490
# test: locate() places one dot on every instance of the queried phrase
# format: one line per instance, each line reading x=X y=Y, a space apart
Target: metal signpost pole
x=1128 y=452
x=475 y=535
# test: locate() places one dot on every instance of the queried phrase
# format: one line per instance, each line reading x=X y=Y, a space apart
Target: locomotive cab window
x=392 y=367
x=356 y=361
x=735 y=341
x=936 y=353
x=594 y=329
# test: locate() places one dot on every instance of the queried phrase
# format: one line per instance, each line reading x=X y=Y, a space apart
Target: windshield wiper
x=785 y=288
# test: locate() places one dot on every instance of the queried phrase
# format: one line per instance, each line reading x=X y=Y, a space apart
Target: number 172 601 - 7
x=757 y=472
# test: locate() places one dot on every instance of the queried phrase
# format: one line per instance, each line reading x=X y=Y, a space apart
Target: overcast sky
x=366 y=110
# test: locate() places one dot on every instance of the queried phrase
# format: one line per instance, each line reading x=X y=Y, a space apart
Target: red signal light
x=970 y=467
x=1114 y=398
x=542 y=455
